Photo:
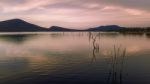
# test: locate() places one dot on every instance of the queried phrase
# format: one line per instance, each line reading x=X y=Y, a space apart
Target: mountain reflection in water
x=74 y=58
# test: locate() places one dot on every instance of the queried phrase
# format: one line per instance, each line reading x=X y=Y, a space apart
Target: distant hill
x=56 y=28
x=18 y=25
x=106 y=28
x=100 y=28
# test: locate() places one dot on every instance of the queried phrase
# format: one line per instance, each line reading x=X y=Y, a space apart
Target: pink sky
x=78 y=13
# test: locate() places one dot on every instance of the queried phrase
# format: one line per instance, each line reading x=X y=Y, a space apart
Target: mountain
x=100 y=28
x=56 y=28
x=18 y=25
x=106 y=28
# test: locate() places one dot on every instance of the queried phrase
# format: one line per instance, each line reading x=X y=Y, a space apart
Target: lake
x=74 y=58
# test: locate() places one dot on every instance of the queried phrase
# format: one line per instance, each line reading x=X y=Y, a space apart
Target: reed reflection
x=93 y=37
x=117 y=60
x=63 y=57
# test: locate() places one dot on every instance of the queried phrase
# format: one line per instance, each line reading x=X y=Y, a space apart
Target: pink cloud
x=75 y=13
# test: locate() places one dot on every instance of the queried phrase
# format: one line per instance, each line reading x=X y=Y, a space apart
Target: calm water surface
x=74 y=58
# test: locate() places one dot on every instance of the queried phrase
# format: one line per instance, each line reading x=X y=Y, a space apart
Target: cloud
x=22 y=5
x=78 y=13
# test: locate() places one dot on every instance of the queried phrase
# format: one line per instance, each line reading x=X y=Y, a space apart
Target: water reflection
x=148 y=35
x=56 y=58
x=133 y=33
x=93 y=38
x=16 y=38
x=116 y=62
x=116 y=65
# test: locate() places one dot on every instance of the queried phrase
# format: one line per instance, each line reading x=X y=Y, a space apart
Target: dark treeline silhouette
x=136 y=29
x=18 y=25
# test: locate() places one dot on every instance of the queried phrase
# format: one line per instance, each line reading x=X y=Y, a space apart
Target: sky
x=78 y=13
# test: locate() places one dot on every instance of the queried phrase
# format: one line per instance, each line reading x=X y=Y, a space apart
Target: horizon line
x=73 y=28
